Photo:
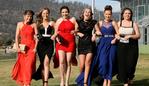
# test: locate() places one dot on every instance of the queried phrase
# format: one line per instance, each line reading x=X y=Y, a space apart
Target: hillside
x=11 y=12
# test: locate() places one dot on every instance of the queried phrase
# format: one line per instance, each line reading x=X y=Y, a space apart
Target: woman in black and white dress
x=127 y=47
x=45 y=45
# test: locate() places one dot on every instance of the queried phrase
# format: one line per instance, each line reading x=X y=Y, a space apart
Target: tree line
x=11 y=12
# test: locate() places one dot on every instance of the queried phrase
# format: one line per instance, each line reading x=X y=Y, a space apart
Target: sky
x=100 y=4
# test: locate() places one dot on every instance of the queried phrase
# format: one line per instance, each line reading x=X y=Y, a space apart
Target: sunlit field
x=7 y=61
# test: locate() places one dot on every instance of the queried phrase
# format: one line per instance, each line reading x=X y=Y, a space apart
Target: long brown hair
x=39 y=18
x=122 y=18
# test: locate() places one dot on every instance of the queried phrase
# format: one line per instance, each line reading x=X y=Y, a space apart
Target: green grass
x=144 y=49
x=7 y=61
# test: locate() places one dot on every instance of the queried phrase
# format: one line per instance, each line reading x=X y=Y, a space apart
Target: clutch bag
x=22 y=47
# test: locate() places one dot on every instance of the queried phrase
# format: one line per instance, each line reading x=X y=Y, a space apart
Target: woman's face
x=108 y=15
x=28 y=18
x=127 y=15
x=64 y=13
x=87 y=14
x=45 y=14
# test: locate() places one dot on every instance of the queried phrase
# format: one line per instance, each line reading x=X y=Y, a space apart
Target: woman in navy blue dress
x=106 y=48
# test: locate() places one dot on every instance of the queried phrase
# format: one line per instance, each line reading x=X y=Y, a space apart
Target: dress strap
x=120 y=23
x=132 y=24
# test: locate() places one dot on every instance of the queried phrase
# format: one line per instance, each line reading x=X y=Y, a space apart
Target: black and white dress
x=45 y=47
x=127 y=54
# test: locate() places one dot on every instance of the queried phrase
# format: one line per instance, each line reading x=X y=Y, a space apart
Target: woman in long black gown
x=45 y=45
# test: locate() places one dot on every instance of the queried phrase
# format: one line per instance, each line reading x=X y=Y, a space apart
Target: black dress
x=85 y=44
x=45 y=47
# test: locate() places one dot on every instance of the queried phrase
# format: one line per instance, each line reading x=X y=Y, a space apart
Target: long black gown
x=45 y=47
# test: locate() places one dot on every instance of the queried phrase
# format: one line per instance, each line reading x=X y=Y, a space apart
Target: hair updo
x=108 y=7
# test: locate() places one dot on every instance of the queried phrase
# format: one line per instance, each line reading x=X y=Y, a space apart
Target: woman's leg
x=62 y=66
x=105 y=82
x=68 y=58
x=88 y=61
x=109 y=82
x=82 y=62
x=46 y=70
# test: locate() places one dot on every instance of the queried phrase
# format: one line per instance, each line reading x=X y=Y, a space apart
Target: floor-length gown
x=127 y=55
x=45 y=47
x=25 y=64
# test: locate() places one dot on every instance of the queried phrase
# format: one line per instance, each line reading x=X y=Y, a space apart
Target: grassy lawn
x=7 y=61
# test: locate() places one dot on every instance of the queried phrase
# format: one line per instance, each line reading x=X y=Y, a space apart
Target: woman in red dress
x=65 y=46
x=25 y=64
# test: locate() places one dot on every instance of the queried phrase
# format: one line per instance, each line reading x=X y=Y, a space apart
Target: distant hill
x=11 y=12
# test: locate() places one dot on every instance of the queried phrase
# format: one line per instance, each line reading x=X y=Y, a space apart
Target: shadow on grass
x=69 y=85
x=143 y=82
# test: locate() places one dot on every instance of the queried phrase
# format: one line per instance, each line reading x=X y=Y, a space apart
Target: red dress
x=68 y=40
x=25 y=64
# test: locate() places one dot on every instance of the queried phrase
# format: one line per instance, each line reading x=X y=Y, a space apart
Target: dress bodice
x=107 y=29
x=86 y=27
x=66 y=26
x=126 y=30
x=43 y=30
x=27 y=34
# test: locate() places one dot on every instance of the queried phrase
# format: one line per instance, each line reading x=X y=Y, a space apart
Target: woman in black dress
x=45 y=45
x=127 y=47
x=86 y=43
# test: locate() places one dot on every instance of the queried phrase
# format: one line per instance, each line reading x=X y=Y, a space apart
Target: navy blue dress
x=106 y=52
x=104 y=59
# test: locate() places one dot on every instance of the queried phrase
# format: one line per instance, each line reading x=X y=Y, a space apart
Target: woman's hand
x=98 y=33
x=34 y=50
x=113 y=41
x=58 y=40
x=18 y=50
x=53 y=37
x=117 y=37
x=127 y=37
x=80 y=34
x=73 y=32
x=93 y=37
